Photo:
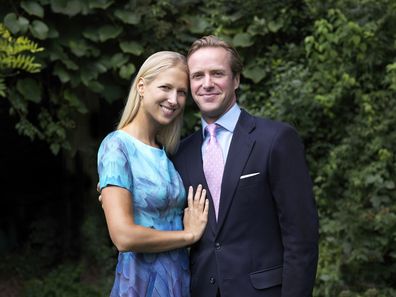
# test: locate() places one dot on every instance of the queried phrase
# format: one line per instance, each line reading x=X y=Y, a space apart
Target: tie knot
x=211 y=128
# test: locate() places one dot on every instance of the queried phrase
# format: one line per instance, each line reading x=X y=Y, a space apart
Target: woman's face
x=164 y=98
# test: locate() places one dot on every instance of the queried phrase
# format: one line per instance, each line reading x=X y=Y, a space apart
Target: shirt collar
x=227 y=121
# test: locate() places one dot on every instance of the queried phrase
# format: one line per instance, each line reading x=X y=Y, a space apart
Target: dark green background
x=326 y=67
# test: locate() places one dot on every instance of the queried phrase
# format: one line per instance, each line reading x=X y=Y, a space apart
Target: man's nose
x=207 y=83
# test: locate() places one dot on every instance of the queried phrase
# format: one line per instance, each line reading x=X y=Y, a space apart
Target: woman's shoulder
x=116 y=141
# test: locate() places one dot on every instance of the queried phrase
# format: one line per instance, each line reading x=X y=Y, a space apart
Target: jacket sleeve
x=292 y=190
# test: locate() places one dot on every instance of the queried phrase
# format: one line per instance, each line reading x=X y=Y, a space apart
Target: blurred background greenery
x=326 y=67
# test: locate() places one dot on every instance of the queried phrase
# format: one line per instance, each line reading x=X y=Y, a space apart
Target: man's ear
x=140 y=86
x=236 y=81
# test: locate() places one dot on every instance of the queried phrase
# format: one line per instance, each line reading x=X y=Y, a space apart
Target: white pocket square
x=249 y=175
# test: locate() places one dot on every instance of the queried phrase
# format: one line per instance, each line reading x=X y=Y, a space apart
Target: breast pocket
x=249 y=180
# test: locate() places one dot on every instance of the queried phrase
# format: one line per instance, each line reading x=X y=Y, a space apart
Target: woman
x=142 y=194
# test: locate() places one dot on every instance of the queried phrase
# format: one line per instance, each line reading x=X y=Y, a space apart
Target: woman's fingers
x=206 y=208
x=190 y=197
x=198 y=193
x=203 y=197
x=201 y=202
x=198 y=202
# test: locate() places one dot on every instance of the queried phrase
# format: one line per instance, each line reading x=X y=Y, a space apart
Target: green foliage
x=327 y=67
x=94 y=231
x=13 y=57
x=2 y=88
x=338 y=92
x=64 y=281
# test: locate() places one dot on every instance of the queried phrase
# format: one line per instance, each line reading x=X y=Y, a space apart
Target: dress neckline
x=141 y=143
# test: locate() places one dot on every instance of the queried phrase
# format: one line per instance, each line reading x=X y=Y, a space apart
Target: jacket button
x=212 y=280
x=217 y=245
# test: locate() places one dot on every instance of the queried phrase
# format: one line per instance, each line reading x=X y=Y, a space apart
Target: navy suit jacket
x=265 y=242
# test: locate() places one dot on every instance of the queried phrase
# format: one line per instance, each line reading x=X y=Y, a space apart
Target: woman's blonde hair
x=169 y=135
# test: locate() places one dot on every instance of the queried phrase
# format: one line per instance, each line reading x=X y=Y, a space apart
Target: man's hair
x=213 y=41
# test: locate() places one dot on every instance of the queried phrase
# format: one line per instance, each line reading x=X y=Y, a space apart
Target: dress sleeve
x=113 y=165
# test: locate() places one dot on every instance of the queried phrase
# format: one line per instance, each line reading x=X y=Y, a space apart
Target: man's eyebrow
x=196 y=72
x=218 y=70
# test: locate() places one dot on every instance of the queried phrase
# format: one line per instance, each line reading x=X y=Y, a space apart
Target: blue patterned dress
x=158 y=202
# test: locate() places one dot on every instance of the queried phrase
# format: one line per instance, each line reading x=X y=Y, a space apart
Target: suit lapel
x=196 y=173
x=239 y=151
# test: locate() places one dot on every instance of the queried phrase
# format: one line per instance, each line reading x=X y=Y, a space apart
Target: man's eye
x=197 y=76
x=165 y=87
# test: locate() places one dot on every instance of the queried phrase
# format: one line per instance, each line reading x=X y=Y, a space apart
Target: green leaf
x=102 y=4
x=100 y=67
x=33 y=8
x=274 y=26
x=356 y=40
x=112 y=92
x=390 y=185
x=80 y=47
x=67 y=7
x=72 y=98
x=3 y=88
x=39 y=29
x=23 y=24
x=91 y=34
x=55 y=148
x=53 y=33
x=242 y=40
x=118 y=60
x=11 y=21
x=88 y=73
x=30 y=89
x=255 y=73
x=70 y=64
x=197 y=24
x=96 y=87
x=126 y=71
x=128 y=17
x=131 y=47
x=60 y=72
x=108 y=32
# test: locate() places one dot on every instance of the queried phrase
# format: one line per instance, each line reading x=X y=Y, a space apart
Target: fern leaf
x=14 y=52
x=2 y=88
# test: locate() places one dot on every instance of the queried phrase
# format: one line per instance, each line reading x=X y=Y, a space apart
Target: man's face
x=212 y=83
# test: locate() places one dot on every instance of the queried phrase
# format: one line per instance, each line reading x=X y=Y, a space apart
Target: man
x=262 y=234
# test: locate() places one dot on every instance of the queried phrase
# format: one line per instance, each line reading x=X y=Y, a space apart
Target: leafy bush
x=64 y=281
x=327 y=67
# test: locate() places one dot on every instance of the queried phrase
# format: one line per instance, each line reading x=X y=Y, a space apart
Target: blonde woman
x=142 y=195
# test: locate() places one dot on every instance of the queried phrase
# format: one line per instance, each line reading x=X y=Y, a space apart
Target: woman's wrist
x=189 y=237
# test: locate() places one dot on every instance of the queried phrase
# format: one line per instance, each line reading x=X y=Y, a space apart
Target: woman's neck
x=142 y=132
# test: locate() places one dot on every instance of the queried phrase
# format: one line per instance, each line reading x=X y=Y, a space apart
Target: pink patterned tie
x=213 y=166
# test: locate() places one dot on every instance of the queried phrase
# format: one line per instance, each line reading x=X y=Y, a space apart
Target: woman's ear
x=140 y=87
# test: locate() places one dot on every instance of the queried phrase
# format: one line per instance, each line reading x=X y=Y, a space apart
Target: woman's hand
x=196 y=214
